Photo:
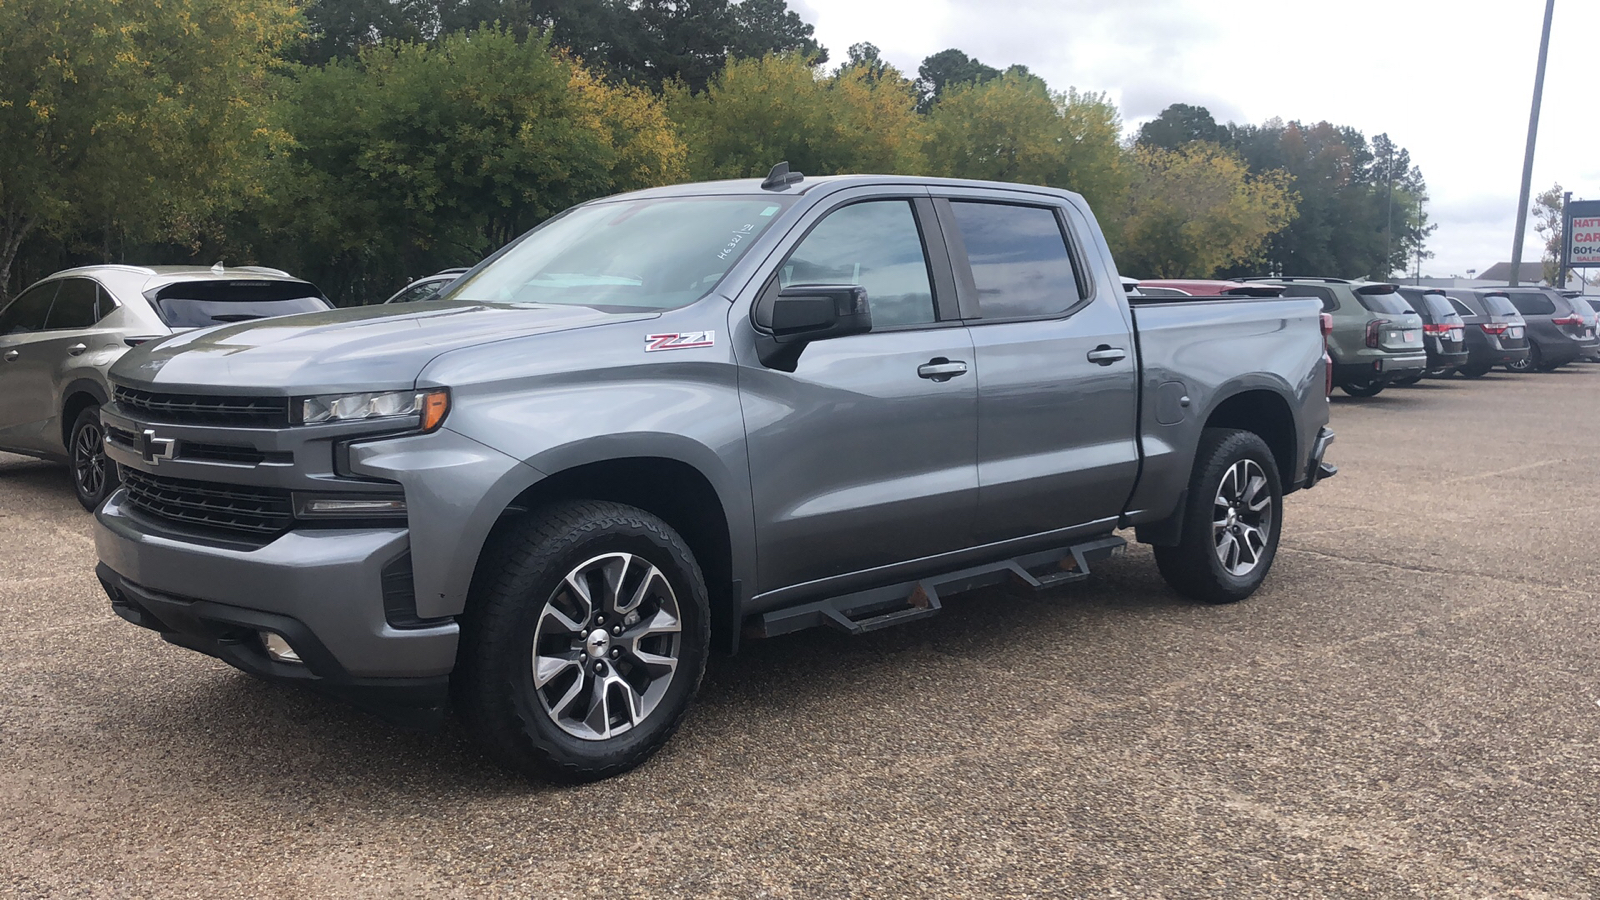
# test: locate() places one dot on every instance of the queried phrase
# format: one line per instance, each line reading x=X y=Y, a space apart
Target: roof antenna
x=217 y=269
x=780 y=177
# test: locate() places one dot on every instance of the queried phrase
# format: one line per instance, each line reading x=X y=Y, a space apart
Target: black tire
x=522 y=570
x=1474 y=371
x=1442 y=372
x=1195 y=567
x=1534 y=361
x=94 y=476
x=1407 y=380
x=1369 y=388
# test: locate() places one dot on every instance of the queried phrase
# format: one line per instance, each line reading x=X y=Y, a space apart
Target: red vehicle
x=1205 y=287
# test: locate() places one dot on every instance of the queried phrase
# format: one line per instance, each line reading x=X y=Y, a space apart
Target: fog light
x=278 y=649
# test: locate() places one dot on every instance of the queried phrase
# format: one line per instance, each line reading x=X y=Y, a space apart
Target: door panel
x=25 y=370
x=1057 y=393
x=858 y=459
x=858 y=462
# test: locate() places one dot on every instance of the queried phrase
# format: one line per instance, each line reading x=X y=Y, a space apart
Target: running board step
x=898 y=604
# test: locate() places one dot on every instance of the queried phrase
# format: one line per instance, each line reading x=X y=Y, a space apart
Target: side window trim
x=966 y=282
x=940 y=279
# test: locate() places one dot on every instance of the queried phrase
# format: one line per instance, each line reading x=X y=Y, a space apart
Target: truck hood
x=361 y=348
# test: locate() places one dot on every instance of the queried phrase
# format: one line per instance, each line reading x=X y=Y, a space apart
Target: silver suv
x=58 y=338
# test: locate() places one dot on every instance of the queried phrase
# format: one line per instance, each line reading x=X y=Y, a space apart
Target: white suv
x=58 y=338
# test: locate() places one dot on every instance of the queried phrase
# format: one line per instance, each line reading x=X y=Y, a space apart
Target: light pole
x=1527 y=157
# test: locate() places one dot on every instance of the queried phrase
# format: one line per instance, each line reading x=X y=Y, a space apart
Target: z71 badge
x=683 y=340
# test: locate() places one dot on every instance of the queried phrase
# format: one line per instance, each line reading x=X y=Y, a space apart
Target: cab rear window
x=199 y=304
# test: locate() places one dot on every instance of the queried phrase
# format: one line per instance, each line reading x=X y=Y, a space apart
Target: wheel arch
x=75 y=397
x=1264 y=411
x=687 y=494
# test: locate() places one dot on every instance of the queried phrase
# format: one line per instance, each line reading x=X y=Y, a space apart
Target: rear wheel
x=1474 y=371
x=1535 y=360
x=1370 y=387
x=1442 y=372
x=586 y=636
x=93 y=476
x=1407 y=380
x=1231 y=522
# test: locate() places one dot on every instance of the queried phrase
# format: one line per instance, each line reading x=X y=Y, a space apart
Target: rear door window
x=1329 y=302
x=77 y=305
x=28 y=312
x=1463 y=307
x=199 y=304
x=1533 y=303
x=1020 y=262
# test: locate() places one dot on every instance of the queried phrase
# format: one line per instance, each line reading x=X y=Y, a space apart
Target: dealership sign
x=1583 y=233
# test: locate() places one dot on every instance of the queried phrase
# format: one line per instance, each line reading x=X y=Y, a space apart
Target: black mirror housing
x=799 y=314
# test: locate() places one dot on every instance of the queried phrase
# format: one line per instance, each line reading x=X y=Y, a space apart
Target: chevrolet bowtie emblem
x=155 y=449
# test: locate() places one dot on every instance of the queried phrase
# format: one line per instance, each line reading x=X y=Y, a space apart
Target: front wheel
x=1231 y=522
x=93 y=476
x=1366 y=388
x=586 y=635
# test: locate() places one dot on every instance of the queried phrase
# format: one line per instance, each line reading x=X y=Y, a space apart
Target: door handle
x=941 y=369
x=77 y=348
x=11 y=355
x=1105 y=354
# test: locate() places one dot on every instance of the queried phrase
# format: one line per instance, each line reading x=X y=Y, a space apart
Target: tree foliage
x=643 y=42
x=413 y=157
x=947 y=69
x=131 y=121
x=1197 y=209
x=1181 y=124
x=1550 y=223
x=757 y=112
x=1012 y=128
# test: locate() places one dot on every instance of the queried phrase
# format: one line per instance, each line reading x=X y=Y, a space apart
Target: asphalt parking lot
x=1409 y=707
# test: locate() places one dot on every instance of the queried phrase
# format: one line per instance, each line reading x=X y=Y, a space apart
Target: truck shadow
x=48 y=480
x=231 y=735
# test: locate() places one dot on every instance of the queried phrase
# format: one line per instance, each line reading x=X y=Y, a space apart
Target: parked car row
x=1385 y=335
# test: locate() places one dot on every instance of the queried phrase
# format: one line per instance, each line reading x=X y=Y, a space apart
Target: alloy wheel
x=1241 y=517
x=89 y=460
x=606 y=646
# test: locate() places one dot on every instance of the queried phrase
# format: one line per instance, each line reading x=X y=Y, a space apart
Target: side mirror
x=799 y=314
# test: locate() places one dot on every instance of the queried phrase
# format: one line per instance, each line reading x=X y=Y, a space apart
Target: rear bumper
x=1451 y=360
x=1317 y=469
x=1488 y=354
x=1384 y=366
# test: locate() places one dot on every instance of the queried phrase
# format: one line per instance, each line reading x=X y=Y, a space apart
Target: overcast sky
x=1450 y=81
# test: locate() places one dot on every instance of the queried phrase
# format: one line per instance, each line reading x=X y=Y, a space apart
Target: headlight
x=431 y=406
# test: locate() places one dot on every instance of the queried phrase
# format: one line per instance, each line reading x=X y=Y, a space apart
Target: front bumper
x=321 y=589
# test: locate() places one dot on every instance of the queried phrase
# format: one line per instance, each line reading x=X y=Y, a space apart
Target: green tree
x=1549 y=221
x=757 y=112
x=1344 y=226
x=1181 y=124
x=644 y=42
x=1012 y=128
x=131 y=121
x=1197 y=209
x=946 y=69
x=412 y=157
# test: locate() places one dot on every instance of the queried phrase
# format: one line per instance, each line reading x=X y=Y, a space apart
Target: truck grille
x=200 y=409
x=235 y=508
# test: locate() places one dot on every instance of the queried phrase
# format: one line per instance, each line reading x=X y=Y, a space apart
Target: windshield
x=1391 y=303
x=627 y=256
x=200 y=304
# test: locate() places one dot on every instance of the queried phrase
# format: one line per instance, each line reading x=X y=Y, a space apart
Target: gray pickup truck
x=667 y=420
